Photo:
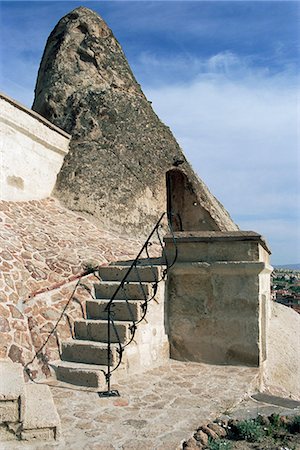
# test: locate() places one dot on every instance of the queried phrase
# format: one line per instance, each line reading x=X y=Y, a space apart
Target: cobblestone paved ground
x=157 y=410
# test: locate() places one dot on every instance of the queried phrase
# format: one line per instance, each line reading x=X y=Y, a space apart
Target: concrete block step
x=160 y=261
x=88 y=352
x=140 y=273
x=41 y=420
x=11 y=391
x=96 y=330
x=80 y=374
x=122 y=310
x=130 y=291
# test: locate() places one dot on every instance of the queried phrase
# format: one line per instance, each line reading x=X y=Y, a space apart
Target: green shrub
x=275 y=420
x=295 y=425
x=249 y=430
x=219 y=444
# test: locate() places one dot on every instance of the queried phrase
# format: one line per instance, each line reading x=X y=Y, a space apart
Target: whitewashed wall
x=31 y=152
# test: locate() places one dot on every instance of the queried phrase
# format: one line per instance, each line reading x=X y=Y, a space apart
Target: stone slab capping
x=219 y=297
x=41 y=420
x=11 y=391
x=26 y=409
x=83 y=359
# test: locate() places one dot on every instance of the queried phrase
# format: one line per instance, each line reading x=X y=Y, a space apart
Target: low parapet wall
x=218 y=297
x=32 y=152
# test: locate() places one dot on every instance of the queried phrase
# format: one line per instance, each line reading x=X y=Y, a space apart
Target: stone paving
x=157 y=410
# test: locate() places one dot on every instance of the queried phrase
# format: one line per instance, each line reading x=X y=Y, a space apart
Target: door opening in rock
x=185 y=212
x=175 y=194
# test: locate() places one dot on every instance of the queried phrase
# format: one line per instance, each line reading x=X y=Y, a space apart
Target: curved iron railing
x=142 y=259
x=109 y=309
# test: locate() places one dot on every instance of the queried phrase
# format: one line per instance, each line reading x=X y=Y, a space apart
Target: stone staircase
x=84 y=359
x=27 y=411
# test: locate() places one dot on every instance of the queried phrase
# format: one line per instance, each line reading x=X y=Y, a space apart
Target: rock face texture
x=124 y=166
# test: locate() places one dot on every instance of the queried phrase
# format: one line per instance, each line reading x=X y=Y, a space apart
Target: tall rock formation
x=124 y=166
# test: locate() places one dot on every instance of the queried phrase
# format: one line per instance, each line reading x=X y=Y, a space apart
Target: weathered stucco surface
x=120 y=151
x=215 y=294
x=282 y=369
x=32 y=152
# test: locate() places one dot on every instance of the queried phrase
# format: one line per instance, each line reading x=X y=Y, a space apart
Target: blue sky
x=223 y=75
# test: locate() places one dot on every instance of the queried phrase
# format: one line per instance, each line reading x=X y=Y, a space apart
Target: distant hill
x=288 y=266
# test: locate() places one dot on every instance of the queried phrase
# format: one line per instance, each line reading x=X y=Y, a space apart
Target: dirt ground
x=286 y=442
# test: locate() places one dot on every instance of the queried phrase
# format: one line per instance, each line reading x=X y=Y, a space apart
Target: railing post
x=109 y=392
x=108 y=350
x=110 y=320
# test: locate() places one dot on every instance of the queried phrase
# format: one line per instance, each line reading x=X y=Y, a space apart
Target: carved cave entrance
x=185 y=213
x=180 y=198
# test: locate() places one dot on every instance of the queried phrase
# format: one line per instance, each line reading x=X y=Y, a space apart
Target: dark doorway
x=175 y=197
x=185 y=213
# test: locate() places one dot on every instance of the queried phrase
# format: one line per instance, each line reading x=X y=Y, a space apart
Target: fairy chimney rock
x=121 y=154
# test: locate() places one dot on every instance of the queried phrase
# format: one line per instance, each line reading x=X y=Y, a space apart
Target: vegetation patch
x=274 y=432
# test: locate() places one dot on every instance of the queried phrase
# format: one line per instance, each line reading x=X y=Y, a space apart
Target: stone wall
x=43 y=250
x=32 y=152
x=42 y=312
x=218 y=297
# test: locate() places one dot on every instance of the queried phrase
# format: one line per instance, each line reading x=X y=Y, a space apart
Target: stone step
x=142 y=262
x=11 y=391
x=87 y=352
x=96 y=330
x=40 y=421
x=131 y=291
x=88 y=375
x=141 y=273
x=122 y=310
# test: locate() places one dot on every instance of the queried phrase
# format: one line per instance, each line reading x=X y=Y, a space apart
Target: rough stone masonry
x=120 y=151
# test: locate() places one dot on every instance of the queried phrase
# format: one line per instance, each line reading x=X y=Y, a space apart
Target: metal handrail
x=109 y=307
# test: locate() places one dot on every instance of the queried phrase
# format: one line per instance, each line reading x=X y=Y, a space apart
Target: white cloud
x=238 y=127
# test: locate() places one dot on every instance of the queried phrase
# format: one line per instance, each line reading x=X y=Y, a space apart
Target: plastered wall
x=31 y=152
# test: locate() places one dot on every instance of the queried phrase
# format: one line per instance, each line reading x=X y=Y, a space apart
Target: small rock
x=221 y=432
x=135 y=423
x=201 y=437
x=232 y=423
x=222 y=422
x=121 y=402
x=4 y=325
x=284 y=420
x=16 y=314
x=263 y=420
x=191 y=444
x=209 y=432
x=16 y=354
x=4 y=312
